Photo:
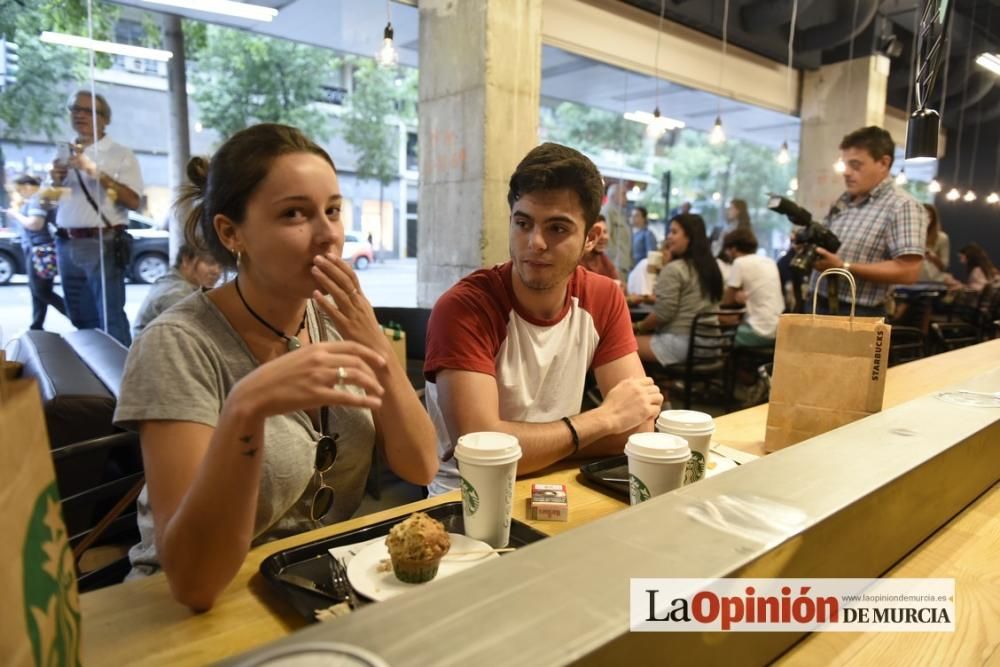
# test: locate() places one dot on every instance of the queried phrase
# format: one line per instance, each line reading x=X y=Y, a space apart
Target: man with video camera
x=881 y=228
x=102 y=182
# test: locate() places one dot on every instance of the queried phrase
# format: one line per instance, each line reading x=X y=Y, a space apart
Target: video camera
x=812 y=235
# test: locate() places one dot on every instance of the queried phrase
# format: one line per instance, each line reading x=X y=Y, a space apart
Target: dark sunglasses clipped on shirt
x=326 y=456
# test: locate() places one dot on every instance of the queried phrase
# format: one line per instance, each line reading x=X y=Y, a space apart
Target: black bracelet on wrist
x=576 y=436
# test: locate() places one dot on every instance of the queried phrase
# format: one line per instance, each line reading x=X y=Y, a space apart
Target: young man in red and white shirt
x=508 y=348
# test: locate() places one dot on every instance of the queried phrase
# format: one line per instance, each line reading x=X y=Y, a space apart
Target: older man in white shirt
x=103 y=182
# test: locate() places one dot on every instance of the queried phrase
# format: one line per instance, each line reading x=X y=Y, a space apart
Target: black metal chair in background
x=709 y=358
x=383 y=486
x=412 y=321
x=949 y=336
x=98 y=468
x=906 y=344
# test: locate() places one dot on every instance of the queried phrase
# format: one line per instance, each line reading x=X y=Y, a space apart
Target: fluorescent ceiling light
x=990 y=61
x=62 y=39
x=243 y=10
x=646 y=118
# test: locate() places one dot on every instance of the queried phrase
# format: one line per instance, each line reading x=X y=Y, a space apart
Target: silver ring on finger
x=341 y=377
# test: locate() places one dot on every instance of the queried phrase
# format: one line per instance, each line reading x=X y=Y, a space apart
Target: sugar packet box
x=548 y=502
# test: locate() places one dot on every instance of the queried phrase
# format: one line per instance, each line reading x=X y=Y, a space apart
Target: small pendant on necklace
x=293 y=343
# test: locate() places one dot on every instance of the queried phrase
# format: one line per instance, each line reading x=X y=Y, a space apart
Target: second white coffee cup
x=487 y=462
x=657 y=463
x=695 y=427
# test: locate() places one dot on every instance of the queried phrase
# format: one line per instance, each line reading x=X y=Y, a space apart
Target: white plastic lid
x=487 y=448
x=658 y=446
x=685 y=421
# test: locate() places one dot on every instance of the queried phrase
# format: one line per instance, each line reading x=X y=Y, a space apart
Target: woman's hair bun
x=197 y=171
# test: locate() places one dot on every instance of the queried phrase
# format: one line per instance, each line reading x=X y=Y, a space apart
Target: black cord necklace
x=292 y=342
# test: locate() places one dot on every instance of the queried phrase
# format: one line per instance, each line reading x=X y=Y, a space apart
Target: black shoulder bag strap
x=90 y=199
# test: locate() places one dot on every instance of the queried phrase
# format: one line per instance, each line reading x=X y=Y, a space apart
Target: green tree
x=368 y=126
x=242 y=79
x=591 y=130
x=36 y=103
x=381 y=98
x=737 y=169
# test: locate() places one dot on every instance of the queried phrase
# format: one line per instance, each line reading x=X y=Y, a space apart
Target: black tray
x=602 y=473
x=310 y=560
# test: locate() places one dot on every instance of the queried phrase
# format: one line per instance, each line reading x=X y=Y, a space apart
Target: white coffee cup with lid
x=657 y=463
x=695 y=427
x=487 y=462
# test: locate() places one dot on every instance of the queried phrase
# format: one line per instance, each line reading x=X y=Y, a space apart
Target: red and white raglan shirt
x=540 y=365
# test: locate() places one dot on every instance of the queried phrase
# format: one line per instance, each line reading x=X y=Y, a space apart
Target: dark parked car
x=150 y=251
x=11 y=257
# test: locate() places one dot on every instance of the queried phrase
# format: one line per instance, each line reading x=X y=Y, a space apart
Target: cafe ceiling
x=828 y=31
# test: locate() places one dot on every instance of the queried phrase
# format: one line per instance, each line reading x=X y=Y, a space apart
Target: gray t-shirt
x=679 y=298
x=168 y=289
x=182 y=368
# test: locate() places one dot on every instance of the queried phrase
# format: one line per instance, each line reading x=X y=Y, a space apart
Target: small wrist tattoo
x=250 y=452
x=246 y=439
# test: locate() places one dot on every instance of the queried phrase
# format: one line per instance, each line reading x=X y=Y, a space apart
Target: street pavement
x=389 y=283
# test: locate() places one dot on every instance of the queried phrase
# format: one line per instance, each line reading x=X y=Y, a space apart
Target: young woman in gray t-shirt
x=259 y=404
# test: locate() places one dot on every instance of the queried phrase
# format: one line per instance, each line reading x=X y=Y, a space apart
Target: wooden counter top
x=139 y=623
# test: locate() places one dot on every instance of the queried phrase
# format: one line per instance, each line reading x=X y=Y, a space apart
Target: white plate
x=362 y=570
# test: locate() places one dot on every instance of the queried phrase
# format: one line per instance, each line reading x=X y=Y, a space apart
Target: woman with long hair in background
x=690 y=284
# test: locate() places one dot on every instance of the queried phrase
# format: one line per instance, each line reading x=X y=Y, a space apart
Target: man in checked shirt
x=881 y=228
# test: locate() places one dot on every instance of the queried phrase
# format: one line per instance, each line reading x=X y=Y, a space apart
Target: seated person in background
x=642 y=278
x=509 y=347
x=979 y=270
x=753 y=282
x=245 y=437
x=594 y=259
x=936 y=256
x=193 y=270
x=725 y=264
x=688 y=285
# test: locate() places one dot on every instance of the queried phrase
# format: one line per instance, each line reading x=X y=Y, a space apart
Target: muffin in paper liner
x=416 y=547
x=415 y=571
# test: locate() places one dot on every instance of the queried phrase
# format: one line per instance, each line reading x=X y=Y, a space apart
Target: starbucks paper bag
x=828 y=371
x=41 y=609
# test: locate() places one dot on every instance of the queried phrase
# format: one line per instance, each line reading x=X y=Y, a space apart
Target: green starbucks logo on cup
x=470 y=498
x=695 y=468
x=637 y=491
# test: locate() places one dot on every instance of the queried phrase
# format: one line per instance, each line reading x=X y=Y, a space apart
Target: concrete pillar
x=480 y=76
x=836 y=99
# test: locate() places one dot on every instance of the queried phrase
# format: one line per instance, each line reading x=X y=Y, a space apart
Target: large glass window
x=587 y=104
x=290 y=70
